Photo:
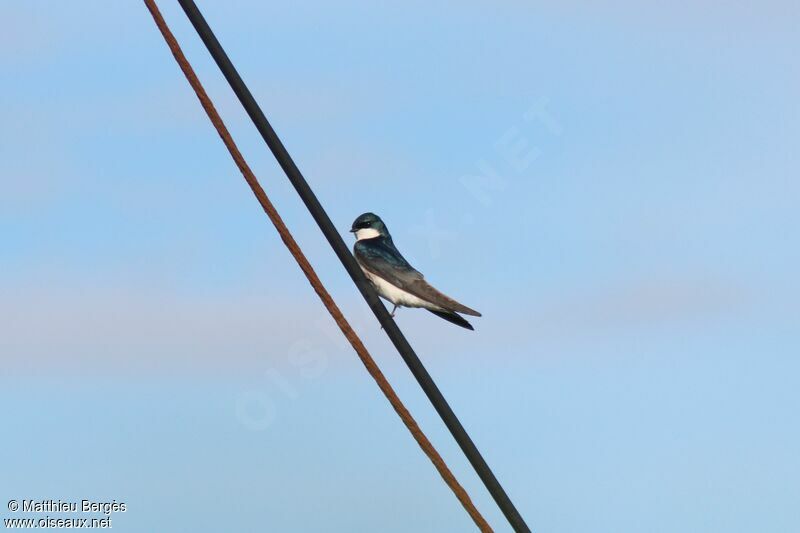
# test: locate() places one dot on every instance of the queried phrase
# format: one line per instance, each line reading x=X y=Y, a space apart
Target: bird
x=394 y=278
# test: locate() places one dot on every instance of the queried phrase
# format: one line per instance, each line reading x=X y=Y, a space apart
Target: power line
x=343 y=253
x=311 y=275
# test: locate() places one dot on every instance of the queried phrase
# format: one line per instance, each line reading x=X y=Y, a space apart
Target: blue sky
x=613 y=186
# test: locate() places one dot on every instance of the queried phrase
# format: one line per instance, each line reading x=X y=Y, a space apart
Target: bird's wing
x=386 y=262
x=422 y=289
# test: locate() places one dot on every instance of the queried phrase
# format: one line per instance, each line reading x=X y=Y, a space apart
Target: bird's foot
x=392 y=313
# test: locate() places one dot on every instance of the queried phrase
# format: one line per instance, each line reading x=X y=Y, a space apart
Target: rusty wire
x=311 y=275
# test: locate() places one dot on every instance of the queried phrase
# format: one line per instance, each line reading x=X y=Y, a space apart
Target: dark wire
x=343 y=253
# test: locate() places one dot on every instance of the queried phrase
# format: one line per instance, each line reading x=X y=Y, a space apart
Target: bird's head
x=368 y=226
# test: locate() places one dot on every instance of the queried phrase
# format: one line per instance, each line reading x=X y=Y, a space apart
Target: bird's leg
x=392 y=313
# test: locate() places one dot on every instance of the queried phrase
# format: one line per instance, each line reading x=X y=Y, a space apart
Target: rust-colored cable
x=312 y=277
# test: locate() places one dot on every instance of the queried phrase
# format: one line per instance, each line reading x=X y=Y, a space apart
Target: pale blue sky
x=635 y=258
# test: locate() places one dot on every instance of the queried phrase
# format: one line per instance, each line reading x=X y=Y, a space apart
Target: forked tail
x=455 y=318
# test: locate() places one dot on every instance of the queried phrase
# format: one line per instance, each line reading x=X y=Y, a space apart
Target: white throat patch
x=366 y=233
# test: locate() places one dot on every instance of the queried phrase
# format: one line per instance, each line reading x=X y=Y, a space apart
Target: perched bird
x=396 y=280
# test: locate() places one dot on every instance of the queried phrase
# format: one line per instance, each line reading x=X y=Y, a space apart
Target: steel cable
x=311 y=275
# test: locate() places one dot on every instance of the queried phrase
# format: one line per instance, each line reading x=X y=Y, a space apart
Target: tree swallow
x=395 y=279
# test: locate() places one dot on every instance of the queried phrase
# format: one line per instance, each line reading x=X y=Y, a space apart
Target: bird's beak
x=352 y=230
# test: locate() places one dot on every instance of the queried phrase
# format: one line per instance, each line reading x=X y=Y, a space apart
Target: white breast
x=396 y=295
